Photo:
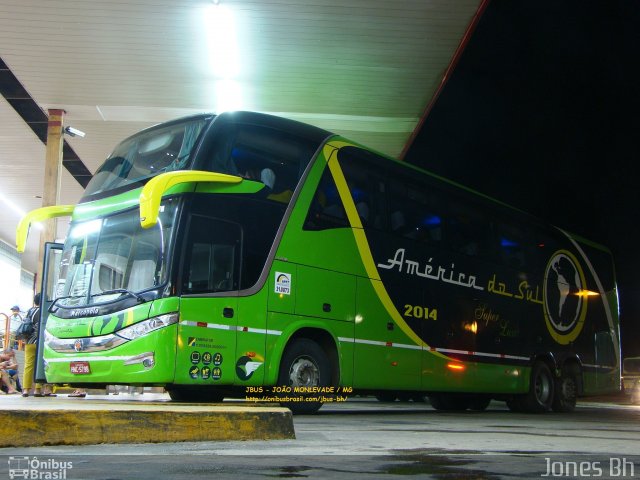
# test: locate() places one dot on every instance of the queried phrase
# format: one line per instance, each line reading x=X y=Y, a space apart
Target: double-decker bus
x=216 y=253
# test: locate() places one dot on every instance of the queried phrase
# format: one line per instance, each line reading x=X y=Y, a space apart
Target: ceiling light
x=74 y=132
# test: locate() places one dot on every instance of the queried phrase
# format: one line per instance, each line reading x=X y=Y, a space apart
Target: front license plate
x=80 y=368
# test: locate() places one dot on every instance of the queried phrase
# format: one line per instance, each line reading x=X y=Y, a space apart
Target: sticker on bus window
x=283 y=283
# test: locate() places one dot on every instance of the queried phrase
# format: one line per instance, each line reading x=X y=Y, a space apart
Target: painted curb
x=27 y=428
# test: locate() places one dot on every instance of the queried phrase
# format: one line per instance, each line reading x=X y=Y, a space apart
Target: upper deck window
x=153 y=151
x=268 y=155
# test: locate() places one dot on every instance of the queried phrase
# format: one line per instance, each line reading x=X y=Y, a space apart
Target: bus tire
x=540 y=395
x=565 y=393
x=304 y=364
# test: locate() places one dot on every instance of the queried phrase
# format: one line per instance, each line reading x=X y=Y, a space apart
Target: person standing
x=15 y=321
x=28 y=386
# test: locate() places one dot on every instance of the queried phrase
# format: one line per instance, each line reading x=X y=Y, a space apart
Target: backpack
x=26 y=328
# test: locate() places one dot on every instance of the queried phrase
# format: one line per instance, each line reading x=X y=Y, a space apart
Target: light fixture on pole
x=74 y=132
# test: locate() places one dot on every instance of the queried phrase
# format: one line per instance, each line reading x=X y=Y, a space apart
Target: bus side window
x=326 y=210
x=212 y=256
x=468 y=231
x=199 y=271
x=364 y=172
x=273 y=157
x=414 y=211
x=218 y=152
x=513 y=245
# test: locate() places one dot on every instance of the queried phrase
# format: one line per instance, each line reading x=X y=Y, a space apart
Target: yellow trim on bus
x=152 y=192
x=38 y=215
x=330 y=152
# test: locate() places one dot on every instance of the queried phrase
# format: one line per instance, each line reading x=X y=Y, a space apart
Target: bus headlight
x=141 y=329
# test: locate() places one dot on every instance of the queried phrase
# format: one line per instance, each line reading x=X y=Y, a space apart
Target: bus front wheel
x=304 y=366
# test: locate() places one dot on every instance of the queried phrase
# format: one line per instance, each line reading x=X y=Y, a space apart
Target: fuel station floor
x=127 y=418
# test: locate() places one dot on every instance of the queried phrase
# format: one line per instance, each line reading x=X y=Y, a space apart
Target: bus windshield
x=147 y=154
x=104 y=259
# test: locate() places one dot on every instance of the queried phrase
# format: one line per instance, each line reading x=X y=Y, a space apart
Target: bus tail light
x=456 y=367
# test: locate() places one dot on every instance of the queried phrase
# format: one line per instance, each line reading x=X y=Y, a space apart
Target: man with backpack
x=25 y=329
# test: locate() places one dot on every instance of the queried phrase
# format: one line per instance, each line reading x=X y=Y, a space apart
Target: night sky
x=542 y=111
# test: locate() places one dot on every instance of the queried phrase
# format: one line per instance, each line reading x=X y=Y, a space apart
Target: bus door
x=206 y=347
x=49 y=292
x=250 y=358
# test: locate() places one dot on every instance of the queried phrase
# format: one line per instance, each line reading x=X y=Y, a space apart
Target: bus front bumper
x=145 y=360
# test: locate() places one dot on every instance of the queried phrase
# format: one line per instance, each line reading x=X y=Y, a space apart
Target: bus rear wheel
x=566 y=391
x=541 y=386
x=304 y=364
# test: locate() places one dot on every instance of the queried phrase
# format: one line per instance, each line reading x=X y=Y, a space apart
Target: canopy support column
x=52 y=170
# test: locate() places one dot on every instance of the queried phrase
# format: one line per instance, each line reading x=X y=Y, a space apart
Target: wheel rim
x=543 y=388
x=304 y=373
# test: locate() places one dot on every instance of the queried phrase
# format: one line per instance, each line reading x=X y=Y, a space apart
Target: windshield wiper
x=64 y=298
x=140 y=298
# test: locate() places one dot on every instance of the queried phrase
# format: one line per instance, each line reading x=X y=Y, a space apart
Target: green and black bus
x=223 y=254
